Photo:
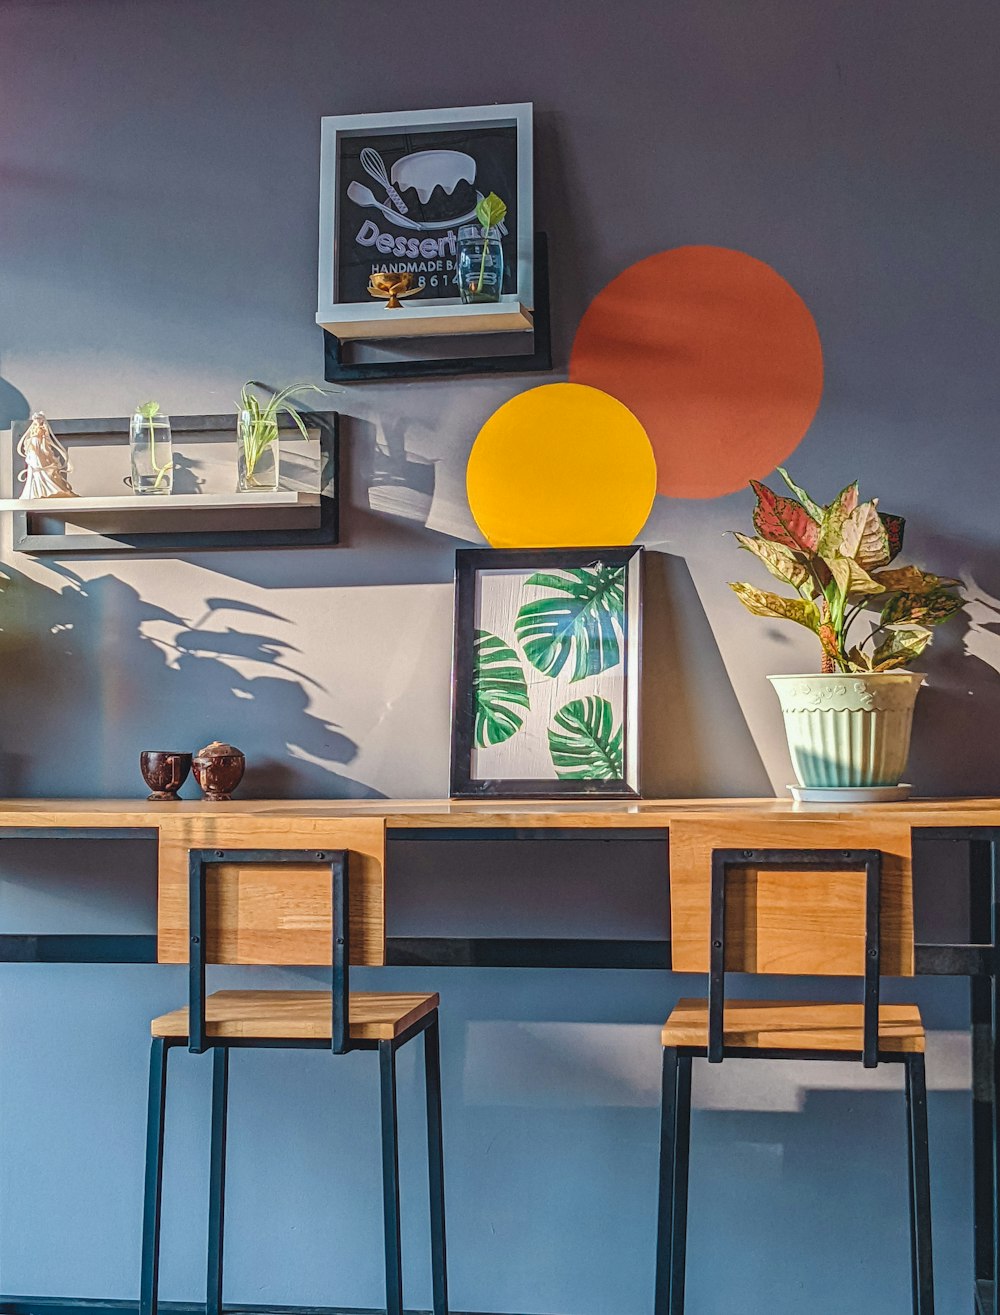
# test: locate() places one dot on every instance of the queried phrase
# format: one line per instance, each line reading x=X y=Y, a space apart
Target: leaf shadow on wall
x=955 y=746
x=695 y=738
x=94 y=674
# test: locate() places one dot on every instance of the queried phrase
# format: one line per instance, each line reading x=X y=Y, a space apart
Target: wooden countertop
x=281 y=914
x=446 y=813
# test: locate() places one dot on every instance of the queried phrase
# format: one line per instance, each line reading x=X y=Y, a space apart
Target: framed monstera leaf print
x=546 y=673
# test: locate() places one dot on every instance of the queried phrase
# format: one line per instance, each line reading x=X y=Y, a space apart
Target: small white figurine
x=46 y=462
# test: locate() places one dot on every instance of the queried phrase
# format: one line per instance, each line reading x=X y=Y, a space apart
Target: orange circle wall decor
x=718 y=357
x=561 y=466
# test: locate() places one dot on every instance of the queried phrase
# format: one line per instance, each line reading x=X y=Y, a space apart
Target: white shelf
x=71 y=509
x=416 y=319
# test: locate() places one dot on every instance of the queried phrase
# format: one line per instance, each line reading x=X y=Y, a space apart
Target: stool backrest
x=210 y=935
x=726 y=862
x=789 y=918
x=271 y=905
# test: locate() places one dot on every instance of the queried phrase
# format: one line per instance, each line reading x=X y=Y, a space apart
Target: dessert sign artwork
x=395 y=191
x=402 y=208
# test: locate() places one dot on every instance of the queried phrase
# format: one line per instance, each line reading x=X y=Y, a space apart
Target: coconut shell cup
x=218 y=769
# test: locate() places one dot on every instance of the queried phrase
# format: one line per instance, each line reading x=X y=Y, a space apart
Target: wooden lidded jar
x=218 y=769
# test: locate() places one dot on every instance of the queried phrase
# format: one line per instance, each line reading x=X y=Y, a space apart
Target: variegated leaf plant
x=836 y=559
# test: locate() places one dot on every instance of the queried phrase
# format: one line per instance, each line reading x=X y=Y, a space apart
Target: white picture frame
x=355 y=215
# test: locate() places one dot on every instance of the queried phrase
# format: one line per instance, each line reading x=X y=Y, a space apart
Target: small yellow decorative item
x=46 y=462
x=392 y=287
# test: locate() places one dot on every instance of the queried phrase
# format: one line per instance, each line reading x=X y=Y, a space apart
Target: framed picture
x=396 y=188
x=546 y=673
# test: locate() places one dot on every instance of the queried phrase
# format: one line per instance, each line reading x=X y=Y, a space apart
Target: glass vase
x=152 y=454
x=479 y=264
x=258 y=459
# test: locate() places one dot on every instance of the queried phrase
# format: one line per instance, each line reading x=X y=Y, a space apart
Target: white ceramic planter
x=847 y=730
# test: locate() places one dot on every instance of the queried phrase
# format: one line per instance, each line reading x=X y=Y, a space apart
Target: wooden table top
x=449 y=813
x=256 y=934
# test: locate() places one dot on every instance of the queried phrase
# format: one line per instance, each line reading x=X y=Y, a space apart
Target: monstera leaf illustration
x=499 y=689
x=583 y=617
x=583 y=742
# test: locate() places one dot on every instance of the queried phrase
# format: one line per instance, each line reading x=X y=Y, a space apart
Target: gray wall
x=158 y=198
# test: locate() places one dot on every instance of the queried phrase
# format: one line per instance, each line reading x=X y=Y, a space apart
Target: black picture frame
x=469 y=564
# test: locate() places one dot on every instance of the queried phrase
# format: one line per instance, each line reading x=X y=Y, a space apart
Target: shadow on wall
x=399 y=484
x=807 y=1167
x=89 y=645
x=386 y=494
x=955 y=746
x=13 y=404
x=695 y=738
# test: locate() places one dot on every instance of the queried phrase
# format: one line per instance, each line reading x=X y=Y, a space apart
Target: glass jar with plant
x=258 y=463
x=151 y=450
x=849 y=725
x=480 y=253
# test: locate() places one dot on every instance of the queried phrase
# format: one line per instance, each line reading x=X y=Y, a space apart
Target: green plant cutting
x=148 y=410
x=262 y=429
x=837 y=560
x=490 y=212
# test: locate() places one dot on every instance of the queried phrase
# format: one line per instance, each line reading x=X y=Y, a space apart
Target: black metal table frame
x=978 y=959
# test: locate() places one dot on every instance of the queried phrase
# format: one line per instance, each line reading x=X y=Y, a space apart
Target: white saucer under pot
x=846 y=794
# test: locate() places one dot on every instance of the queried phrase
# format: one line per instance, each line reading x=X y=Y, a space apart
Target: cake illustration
x=442 y=181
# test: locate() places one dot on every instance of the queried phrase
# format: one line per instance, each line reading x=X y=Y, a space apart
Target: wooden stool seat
x=300 y=1015
x=794 y=1025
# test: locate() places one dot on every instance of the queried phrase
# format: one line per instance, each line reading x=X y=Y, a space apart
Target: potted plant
x=848 y=726
x=257 y=451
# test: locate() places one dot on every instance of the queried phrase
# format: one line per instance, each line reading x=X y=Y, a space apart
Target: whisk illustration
x=374 y=166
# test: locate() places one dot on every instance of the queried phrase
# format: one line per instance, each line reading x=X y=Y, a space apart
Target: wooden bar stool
x=767 y=917
x=334 y=1020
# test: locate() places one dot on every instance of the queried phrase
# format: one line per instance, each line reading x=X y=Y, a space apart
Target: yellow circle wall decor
x=561 y=466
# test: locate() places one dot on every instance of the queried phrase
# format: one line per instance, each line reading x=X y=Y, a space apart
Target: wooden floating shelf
x=416 y=319
x=345 y=325
x=74 y=509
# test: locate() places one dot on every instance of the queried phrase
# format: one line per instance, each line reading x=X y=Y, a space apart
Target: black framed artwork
x=545 y=685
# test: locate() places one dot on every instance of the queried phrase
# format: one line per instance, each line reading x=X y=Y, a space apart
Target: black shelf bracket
x=337 y=370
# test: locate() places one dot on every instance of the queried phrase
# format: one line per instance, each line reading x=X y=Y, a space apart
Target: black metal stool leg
x=921 y=1257
x=217 y=1179
x=678 y=1247
x=390 y=1180
x=665 y=1208
x=435 y=1167
x=153 y=1193
x=675 y=1125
